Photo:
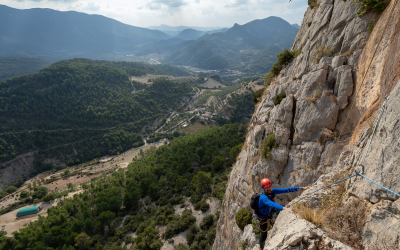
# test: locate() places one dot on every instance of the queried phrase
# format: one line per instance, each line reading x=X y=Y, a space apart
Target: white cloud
x=237 y=3
x=158 y=4
x=92 y=6
x=202 y=13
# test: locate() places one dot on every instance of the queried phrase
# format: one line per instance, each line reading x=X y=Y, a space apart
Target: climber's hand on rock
x=286 y=208
x=305 y=188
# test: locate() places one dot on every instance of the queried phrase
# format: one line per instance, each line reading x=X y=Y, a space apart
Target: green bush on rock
x=368 y=6
x=268 y=143
x=243 y=217
x=279 y=98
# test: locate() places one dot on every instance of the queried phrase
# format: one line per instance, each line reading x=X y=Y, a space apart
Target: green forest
x=80 y=109
x=192 y=167
x=17 y=66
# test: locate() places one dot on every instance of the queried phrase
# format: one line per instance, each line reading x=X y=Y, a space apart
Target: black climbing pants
x=265 y=225
x=263 y=232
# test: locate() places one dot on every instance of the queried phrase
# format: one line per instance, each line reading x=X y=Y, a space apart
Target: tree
x=218 y=164
x=39 y=193
x=149 y=238
x=153 y=191
x=89 y=225
x=202 y=182
x=181 y=183
x=106 y=218
x=82 y=241
x=24 y=194
x=49 y=197
x=66 y=173
x=132 y=194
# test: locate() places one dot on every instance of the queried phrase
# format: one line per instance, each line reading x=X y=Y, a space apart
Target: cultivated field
x=197 y=126
x=211 y=83
x=146 y=78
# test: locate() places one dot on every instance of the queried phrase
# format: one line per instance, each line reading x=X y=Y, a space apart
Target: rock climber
x=267 y=209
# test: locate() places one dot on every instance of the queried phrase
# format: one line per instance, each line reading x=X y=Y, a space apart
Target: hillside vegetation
x=80 y=109
x=17 y=66
x=194 y=166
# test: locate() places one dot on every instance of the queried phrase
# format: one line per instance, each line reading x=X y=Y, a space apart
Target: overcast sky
x=204 y=13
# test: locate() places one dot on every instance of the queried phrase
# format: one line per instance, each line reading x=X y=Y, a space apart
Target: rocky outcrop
x=383 y=159
x=319 y=85
x=292 y=232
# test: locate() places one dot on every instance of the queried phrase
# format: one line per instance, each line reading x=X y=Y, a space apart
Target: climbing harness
x=270 y=219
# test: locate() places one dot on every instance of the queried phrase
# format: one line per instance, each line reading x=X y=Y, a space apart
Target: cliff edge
x=320 y=86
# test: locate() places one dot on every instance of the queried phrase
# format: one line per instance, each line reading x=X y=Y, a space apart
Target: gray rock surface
x=344 y=85
x=317 y=96
x=338 y=61
x=383 y=225
x=312 y=117
x=291 y=231
x=383 y=159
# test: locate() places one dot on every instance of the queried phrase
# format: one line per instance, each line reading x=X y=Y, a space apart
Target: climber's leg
x=263 y=233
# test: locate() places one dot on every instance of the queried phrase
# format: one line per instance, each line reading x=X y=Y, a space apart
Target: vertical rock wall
x=320 y=85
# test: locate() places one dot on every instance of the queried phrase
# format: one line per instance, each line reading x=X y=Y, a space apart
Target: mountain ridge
x=61 y=35
x=237 y=45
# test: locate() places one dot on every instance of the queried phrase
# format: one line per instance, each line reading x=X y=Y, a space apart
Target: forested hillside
x=77 y=110
x=190 y=168
x=17 y=66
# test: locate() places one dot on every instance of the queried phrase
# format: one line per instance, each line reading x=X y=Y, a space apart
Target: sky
x=200 y=13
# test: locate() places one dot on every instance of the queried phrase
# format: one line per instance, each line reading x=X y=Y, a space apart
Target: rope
x=324 y=188
x=354 y=175
x=362 y=82
x=259 y=225
x=387 y=189
x=375 y=128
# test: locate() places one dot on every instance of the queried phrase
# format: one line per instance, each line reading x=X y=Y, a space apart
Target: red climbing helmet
x=265 y=182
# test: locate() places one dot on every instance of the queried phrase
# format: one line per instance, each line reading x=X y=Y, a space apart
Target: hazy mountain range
x=238 y=47
x=51 y=34
x=175 y=30
x=56 y=35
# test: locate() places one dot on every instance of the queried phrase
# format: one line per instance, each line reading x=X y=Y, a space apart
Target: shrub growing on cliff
x=268 y=144
x=279 y=98
x=368 y=6
x=284 y=58
x=257 y=95
x=243 y=217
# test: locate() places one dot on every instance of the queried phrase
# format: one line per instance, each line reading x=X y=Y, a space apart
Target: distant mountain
x=296 y=25
x=238 y=46
x=190 y=34
x=164 y=27
x=54 y=35
x=216 y=31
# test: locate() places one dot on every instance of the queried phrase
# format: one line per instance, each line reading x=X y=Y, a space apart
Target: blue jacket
x=266 y=202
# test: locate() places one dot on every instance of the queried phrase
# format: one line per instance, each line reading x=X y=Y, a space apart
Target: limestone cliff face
x=320 y=86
